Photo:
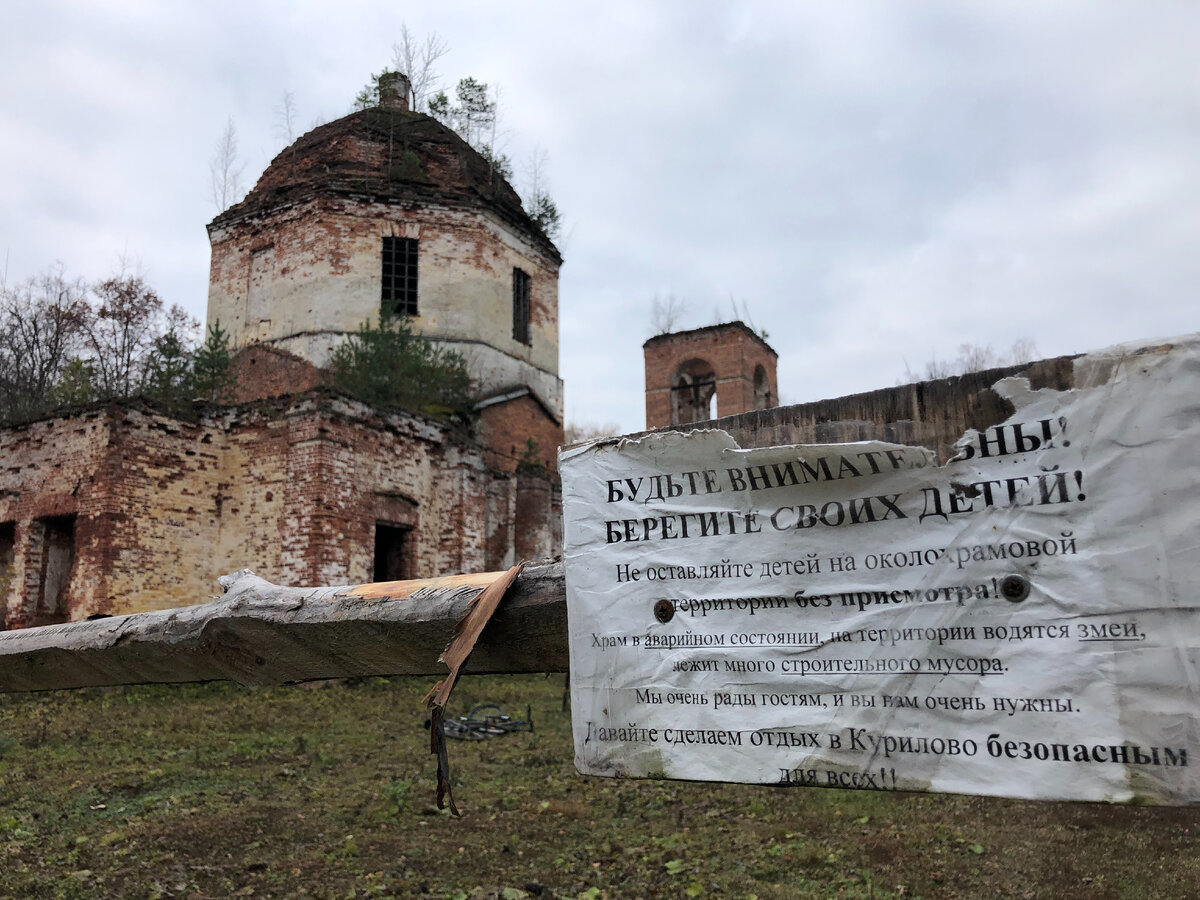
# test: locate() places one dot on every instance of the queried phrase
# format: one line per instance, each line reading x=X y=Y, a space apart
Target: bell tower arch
x=705 y=373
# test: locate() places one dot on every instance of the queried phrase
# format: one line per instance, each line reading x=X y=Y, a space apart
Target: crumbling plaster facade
x=157 y=506
x=302 y=278
x=299 y=263
x=125 y=507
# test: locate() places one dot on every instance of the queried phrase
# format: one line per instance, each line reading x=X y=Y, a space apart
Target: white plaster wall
x=315 y=272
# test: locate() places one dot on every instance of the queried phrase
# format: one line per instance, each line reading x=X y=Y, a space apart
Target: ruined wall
x=159 y=487
x=730 y=352
x=306 y=275
x=47 y=475
x=262 y=370
x=143 y=493
x=147 y=509
x=507 y=429
x=931 y=414
x=348 y=464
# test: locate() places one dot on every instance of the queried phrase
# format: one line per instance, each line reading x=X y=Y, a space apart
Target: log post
x=259 y=633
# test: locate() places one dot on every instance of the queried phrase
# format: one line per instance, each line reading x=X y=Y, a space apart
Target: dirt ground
x=209 y=791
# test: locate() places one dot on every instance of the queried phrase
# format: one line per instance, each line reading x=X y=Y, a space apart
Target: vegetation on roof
x=390 y=365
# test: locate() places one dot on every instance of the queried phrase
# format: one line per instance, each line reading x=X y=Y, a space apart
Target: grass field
x=208 y=791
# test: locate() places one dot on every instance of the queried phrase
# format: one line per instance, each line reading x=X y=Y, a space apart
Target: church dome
x=385 y=154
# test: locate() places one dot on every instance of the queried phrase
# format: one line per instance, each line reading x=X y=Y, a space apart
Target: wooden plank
x=260 y=633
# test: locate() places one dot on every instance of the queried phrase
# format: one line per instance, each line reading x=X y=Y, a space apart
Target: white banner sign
x=1021 y=621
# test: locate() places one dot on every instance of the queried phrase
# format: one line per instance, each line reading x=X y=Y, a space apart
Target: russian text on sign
x=856 y=615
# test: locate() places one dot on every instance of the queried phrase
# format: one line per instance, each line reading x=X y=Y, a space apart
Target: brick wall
x=48 y=471
x=931 y=414
x=731 y=352
x=507 y=428
x=532 y=525
x=292 y=488
x=262 y=370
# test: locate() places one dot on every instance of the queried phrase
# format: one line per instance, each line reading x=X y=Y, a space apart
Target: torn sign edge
x=1101 y=371
x=1092 y=370
x=1089 y=370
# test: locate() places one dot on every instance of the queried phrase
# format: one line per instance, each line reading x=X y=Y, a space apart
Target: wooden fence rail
x=259 y=633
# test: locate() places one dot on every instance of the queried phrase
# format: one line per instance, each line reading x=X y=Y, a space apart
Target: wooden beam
x=260 y=633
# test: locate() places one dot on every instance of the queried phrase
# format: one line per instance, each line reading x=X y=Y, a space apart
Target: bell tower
x=706 y=373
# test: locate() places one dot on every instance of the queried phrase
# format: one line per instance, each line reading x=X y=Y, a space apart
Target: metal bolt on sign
x=1015 y=588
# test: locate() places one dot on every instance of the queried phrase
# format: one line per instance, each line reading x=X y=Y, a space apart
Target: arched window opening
x=693 y=393
x=762 y=389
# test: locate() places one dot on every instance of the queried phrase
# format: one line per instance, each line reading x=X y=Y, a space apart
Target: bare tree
x=500 y=163
x=118 y=336
x=285 y=118
x=742 y=315
x=1023 y=350
x=972 y=358
x=535 y=172
x=538 y=202
x=125 y=334
x=41 y=332
x=416 y=59
x=225 y=169
x=64 y=342
x=666 y=313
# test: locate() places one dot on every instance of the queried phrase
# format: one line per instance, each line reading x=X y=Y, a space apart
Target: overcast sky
x=874 y=183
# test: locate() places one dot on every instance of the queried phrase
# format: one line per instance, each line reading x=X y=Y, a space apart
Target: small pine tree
x=475 y=113
x=390 y=365
x=169 y=370
x=368 y=97
x=439 y=107
x=212 y=377
x=74 y=386
x=544 y=212
x=500 y=163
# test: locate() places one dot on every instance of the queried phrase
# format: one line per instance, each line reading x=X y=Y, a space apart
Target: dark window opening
x=393 y=553
x=258 y=290
x=399 y=296
x=762 y=389
x=693 y=393
x=58 y=558
x=8 y=540
x=521 y=307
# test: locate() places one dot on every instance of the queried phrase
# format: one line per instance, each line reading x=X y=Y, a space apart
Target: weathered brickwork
x=520 y=432
x=298 y=263
x=263 y=370
x=125 y=508
x=685 y=368
x=35 y=489
x=931 y=414
x=322 y=282
x=159 y=506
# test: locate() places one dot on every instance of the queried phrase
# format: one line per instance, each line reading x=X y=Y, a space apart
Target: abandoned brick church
x=123 y=507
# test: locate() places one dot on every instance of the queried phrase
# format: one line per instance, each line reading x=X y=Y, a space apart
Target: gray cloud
x=877 y=182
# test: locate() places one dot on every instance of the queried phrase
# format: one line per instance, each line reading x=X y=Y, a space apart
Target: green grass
x=206 y=791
